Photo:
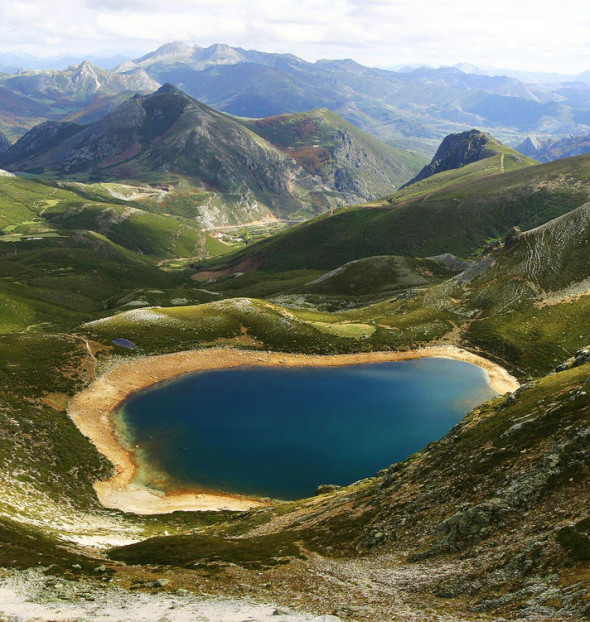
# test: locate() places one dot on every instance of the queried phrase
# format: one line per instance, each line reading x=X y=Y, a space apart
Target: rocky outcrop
x=339 y=155
x=530 y=146
x=579 y=358
x=512 y=238
x=4 y=144
x=458 y=150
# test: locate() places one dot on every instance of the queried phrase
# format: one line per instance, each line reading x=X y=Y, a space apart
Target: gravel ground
x=30 y=595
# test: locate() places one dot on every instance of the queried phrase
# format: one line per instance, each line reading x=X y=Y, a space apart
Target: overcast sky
x=544 y=35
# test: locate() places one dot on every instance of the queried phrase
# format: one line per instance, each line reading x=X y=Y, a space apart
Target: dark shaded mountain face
x=166 y=131
x=314 y=161
x=4 y=144
x=40 y=139
x=457 y=150
x=547 y=150
x=386 y=103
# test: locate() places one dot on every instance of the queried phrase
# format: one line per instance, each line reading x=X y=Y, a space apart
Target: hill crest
x=458 y=150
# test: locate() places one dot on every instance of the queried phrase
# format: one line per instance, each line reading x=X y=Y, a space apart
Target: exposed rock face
x=579 y=358
x=512 y=238
x=530 y=146
x=548 y=150
x=344 y=158
x=4 y=144
x=457 y=150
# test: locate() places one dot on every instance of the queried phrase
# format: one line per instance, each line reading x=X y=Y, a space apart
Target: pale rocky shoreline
x=93 y=409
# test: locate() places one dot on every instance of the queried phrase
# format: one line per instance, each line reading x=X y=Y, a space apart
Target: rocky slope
x=243 y=177
x=458 y=150
x=346 y=159
x=489 y=522
x=4 y=144
x=547 y=150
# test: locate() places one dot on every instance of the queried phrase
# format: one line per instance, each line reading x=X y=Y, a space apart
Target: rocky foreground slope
x=490 y=522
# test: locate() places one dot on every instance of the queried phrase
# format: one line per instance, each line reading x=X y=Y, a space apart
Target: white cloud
x=539 y=34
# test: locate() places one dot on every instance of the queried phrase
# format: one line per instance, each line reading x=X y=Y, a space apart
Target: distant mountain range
x=411 y=109
x=519 y=74
x=547 y=150
x=246 y=170
x=29 y=97
x=12 y=62
x=414 y=108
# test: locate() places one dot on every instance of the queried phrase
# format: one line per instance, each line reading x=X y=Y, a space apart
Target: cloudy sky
x=542 y=35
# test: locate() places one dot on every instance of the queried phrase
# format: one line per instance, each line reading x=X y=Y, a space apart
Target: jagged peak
x=85 y=67
x=168 y=87
x=457 y=150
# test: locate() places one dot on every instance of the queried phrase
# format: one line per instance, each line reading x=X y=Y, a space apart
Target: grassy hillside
x=40 y=208
x=70 y=252
x=457 y=212
x=65 y=279
x=492 y=520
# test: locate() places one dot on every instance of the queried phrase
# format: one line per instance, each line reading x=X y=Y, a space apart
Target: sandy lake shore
x=93 y=409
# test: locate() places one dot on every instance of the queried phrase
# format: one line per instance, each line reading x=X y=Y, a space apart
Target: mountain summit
x=457 y=150
x=302 y=164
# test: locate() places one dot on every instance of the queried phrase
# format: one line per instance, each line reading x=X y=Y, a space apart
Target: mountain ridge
x=548 y=150
x=168 y=135
x=257 y=84
x=5 y=144
x=30 y=97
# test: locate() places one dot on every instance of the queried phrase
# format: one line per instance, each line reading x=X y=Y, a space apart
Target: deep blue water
x=280 y=432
